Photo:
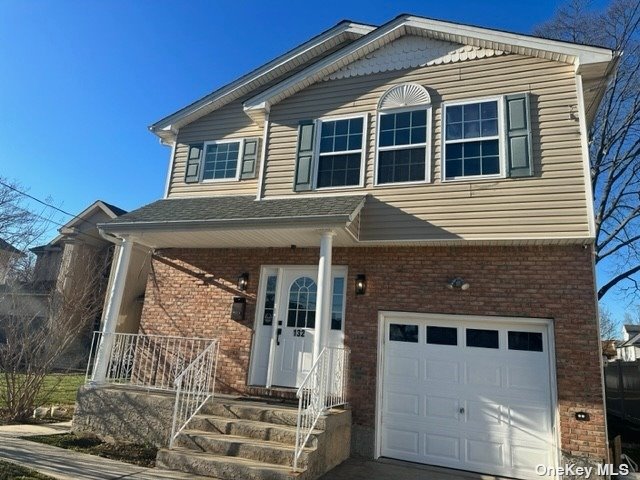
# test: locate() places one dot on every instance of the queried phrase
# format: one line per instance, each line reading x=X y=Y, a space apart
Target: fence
x=622 y=387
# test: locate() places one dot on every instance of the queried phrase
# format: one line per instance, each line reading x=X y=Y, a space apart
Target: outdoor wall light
x=457 y=284
x=243 y=281
x=361 y=284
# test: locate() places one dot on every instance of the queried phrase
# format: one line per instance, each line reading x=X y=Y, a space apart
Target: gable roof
x=109 y=209
x=579 y=55
x=342 y=33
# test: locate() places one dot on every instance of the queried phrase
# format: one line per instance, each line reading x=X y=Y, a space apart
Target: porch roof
x=239 y=220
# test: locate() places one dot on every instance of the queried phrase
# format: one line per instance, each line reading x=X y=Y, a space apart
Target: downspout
x=263 y=155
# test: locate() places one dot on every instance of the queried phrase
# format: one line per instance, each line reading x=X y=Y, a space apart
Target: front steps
x=253 y=440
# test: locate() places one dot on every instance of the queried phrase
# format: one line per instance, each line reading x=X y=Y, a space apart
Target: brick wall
x=190 y=293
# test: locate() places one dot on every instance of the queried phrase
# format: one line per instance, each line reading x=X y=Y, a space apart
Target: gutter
x=317 y=221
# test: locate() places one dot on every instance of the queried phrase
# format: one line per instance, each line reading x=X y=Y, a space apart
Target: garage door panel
x=524 y=378
x=442 y=446
x=442 y=407
x=483 y=412
x=529 y=418
x=403 y=441
x=442 y=371
x=404 y=368
x=526 y=457
x=473 y=408
x=403 y=403
x=479 y=451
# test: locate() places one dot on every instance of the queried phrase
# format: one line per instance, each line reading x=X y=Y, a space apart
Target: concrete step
x=235 y=446
x=257 y=411
x=250 y=428
x=222 y=467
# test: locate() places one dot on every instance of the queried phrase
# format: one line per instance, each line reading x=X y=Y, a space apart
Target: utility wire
x=42 y=202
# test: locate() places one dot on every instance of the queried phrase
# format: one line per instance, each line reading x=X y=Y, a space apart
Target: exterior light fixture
x=457 y=284
x=243 y=281
x=361 y=284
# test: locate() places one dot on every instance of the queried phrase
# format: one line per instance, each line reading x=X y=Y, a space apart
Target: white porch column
x=323 y=302
x=112 y=310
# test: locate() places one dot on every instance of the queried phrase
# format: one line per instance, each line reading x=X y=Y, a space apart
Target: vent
x=406 y=95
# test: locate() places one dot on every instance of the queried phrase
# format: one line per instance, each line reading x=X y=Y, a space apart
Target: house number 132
x=298 y=332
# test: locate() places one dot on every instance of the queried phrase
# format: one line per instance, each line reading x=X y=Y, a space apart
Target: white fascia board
x=234 y=87
x=584 y=54
x=500 y=40
x=262 y=99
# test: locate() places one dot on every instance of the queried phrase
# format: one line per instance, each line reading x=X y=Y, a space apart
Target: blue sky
x=82 y=80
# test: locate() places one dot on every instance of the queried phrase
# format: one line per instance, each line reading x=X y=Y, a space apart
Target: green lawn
x=60 y=389
x=11 y=471
x=57 y=389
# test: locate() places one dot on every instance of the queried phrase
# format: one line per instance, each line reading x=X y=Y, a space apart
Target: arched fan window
x=404 y=135
x=302 y=303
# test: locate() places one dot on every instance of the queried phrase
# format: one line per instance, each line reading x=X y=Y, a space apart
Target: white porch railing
x=194 y=386
x=324 y=387
x=145 y=361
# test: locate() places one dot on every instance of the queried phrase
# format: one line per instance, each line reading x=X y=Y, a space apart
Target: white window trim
x=427 y=145
x=502 y=153
x=238 y=166
x=316 y=150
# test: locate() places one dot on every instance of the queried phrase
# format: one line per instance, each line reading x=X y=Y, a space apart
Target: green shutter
x=194 y=159
x=304 y=156
x=518 y=135
x=249 y=158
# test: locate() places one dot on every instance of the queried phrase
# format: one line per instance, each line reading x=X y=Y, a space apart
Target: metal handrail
x=324 y=387
x=194 y=386
x=142 y=360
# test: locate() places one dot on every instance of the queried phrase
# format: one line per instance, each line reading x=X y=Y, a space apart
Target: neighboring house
x=418 y=193
x=629 y=348
x=8 y=255
x=68 y=264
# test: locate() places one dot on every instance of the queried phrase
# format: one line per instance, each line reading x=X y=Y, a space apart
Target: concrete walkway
x=67 y=464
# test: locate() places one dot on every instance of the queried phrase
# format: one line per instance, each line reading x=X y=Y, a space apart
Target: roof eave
x=315 y=221
x=163 y=128
x=574 y=53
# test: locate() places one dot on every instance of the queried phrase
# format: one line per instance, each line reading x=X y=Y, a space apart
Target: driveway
x=386 y=469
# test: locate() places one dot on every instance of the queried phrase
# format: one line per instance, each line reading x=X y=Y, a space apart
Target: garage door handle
x=461 y=411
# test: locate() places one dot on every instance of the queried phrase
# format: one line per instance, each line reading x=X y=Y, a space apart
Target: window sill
x=402 y=184
x=483 y=178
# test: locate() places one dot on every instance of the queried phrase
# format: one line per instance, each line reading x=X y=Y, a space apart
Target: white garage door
x=467 y=393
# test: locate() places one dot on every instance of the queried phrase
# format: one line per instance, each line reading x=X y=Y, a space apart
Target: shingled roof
x=239 y=211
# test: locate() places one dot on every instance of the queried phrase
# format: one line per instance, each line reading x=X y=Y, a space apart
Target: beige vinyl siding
x=550 y=204
x=229 y=122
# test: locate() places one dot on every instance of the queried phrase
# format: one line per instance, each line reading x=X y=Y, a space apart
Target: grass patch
x=57 y=389
x=11 y=471
x=142 y=455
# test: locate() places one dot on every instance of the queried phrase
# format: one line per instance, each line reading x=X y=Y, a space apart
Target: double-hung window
x=402 y=146
x=472 y=140
x=221 y=160
x=340 y=152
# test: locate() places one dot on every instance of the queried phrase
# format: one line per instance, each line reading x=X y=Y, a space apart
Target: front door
x=296 y=321
x=282 y=352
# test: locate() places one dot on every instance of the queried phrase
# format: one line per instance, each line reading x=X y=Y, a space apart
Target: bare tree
x=40 y=332
x=609 y=327
x=614 y=139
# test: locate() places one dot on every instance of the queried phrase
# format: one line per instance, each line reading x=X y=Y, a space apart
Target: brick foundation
x=190 y=293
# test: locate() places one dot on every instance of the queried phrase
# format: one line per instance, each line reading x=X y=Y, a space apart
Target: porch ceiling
x=242 y=237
